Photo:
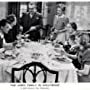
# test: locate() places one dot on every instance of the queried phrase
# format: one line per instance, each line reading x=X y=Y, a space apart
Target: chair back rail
x=34 y=72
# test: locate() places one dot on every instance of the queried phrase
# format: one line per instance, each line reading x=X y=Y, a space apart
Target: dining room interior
x=46 y=42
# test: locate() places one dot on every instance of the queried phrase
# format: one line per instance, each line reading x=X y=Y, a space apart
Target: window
x=23 y=8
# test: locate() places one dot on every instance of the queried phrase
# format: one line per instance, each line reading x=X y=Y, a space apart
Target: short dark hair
x=10 y=18
x=74 y=25
x=3 y=22
x=32 y=3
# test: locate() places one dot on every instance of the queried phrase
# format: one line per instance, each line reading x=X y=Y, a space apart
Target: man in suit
x=32 y=23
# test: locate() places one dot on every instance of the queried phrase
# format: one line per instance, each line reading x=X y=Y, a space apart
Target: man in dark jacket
x=11 y=36
x=32 y=22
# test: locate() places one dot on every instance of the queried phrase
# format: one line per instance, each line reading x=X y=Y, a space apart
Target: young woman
x=79 y=57
x=84 y=74
x=60 y=22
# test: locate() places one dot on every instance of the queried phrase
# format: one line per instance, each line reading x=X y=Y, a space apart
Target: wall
x=79 y=12
x=48 y=12
x=51 y=12
x=3 y=10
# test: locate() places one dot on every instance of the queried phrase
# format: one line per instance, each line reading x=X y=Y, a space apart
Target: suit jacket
x=26 y=21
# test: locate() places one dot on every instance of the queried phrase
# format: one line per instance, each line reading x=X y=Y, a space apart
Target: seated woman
x=71 y=38
x=11 y=36
x=77 y=58
x=84 y=74
x=4 y=29
x=71 y=33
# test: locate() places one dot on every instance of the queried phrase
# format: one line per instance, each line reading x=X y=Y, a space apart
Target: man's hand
x=19 y=36
x=21 y=28
x=27 y=35
x=32 y=28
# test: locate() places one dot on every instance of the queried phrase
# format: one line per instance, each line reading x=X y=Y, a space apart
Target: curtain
x=14 y=7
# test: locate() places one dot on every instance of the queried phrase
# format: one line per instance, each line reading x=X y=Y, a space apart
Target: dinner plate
x=63 y=59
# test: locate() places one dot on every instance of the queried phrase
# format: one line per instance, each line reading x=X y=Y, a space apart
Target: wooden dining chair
x=34 y=72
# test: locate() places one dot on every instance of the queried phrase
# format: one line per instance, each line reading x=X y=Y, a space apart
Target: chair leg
x=12 y=77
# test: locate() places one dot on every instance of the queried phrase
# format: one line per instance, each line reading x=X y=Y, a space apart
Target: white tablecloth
x=66 y=70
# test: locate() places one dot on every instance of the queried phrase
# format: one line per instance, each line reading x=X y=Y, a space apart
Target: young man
x=4 y=29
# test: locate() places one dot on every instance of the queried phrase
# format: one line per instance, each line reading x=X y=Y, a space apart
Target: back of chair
x=34 y=72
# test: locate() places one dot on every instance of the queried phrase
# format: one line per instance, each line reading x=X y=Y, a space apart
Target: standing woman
x=60 y=22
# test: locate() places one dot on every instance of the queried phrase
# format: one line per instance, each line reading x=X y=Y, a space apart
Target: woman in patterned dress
x=60 y=22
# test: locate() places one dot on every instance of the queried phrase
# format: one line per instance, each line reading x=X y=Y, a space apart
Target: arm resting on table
x=85 y=71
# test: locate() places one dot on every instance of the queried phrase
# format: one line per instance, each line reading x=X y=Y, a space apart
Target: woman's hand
x=84 y=71
x=63 y=52
x=74 y=47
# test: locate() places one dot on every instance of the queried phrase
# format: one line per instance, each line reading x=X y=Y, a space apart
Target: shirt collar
x=62 y=16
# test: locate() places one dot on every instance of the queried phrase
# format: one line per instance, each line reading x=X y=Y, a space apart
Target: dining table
x=46 y=53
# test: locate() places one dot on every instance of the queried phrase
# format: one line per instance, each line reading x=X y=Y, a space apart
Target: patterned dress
x=59 y=24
